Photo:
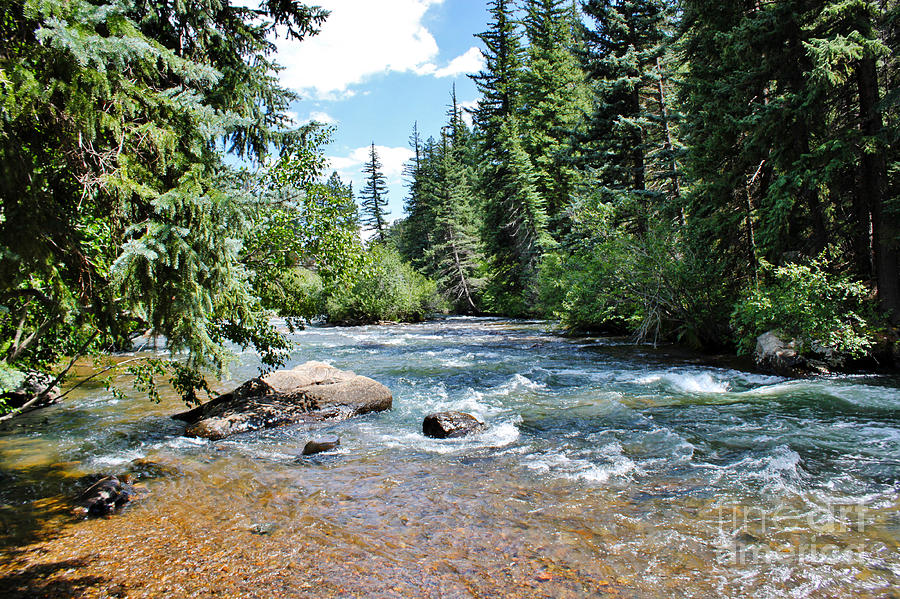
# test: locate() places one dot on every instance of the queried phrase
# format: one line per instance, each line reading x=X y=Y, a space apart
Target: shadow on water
x=48 y=581
x=36 y=504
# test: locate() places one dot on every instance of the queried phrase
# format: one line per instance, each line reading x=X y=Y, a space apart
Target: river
x=607 y=470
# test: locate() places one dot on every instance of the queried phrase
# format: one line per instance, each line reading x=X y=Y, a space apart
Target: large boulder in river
x=790 y=358
x=310 y=392
x=446 y=425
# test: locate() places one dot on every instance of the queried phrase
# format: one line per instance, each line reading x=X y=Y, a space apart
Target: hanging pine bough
x=118 y=213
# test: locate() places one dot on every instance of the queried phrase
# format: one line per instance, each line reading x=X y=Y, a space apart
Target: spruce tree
x=413 y=239
x=374 y=196
x=555 y=97
x=515 y=218
x=454 y=252
x=500 y=83
x=628 y=143
x=118 y=211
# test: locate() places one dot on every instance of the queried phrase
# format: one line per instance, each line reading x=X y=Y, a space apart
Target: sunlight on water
x=605 y=469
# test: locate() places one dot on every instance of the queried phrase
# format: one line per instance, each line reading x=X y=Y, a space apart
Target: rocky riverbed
x=604 y=470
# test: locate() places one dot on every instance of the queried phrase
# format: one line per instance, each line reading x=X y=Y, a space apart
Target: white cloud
x=392 y=161
x=321 y=117
x=471 y=61
x=360 y=38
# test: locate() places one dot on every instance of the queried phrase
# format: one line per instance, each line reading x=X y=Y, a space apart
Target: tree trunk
x=675 y=188
x=873 y=184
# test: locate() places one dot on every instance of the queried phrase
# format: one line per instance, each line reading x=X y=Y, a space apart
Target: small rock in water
x=321 y=444
x=146 y=468
x=263 y=528
x=745 y=538
x=446 y=425
x=105 y=496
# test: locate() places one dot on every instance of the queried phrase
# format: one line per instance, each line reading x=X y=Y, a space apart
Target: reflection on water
x=607 y=470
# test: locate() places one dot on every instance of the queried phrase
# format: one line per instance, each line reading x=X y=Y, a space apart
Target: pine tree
x=374 y=196
x=555 y=97
x=500 y=83
x=515 y=218
x=454 y=253
x=413 y=239
x=628 y=143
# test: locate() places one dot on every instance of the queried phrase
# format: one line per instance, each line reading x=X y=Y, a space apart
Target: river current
x=608 y=469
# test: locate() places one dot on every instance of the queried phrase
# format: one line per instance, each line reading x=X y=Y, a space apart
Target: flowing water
x=607 y=470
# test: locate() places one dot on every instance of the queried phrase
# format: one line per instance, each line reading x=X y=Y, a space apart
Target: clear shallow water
x=607 y=469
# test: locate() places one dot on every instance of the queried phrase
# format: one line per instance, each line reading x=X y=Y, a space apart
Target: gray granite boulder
x=307 y=393
x=795 y=358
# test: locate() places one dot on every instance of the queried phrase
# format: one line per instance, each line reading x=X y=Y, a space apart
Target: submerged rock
x=309 y=392
x=147 y=468
x=264 y=528
x=105 y=497
x=321 y=444
x=446 y=425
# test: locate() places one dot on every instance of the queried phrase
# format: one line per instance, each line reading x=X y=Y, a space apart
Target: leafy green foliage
x=305 y=233
x=384 y=289
x=118 y=213
x=810 y=302
x=651 y=284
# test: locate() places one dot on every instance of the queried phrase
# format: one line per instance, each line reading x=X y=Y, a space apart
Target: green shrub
x=806 y=302
x=383 y=288
x=501 y=295
x=652 y=286
x=293 y=293
x=580 y=290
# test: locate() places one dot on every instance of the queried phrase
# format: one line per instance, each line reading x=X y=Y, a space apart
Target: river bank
x=606 y=469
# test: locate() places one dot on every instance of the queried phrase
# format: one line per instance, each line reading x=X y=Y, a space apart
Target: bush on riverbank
x=809 y=302
x=383 y=288
x=652 y=287
x=296 y=293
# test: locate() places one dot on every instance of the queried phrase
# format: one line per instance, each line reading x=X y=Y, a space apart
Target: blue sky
x=377 y=67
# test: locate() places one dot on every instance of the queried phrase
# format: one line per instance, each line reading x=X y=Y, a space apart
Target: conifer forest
x=697 y=172
x=633 y=329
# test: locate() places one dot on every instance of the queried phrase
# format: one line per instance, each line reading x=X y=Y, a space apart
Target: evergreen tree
x=454 y=252
x=628 y=143
x=555 y=97
x=374 y=196
x=515 y=218
x=786 y=134
x=413 y=238
x=500 y=83
x=118 y=211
